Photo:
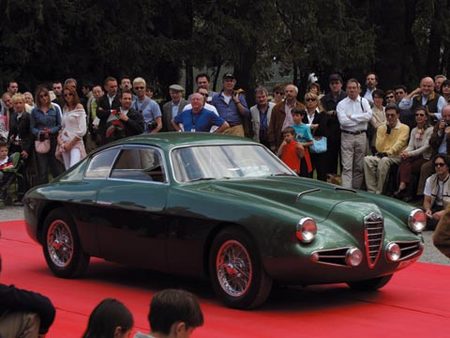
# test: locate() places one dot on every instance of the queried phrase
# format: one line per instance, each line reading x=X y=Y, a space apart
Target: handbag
x=319 y=145
x=42 y=147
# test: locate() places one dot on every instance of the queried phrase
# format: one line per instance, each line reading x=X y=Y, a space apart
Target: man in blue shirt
x=198 y=118
x=231 y=106
x=147 y=107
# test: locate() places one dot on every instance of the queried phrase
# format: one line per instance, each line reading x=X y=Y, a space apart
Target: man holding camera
x=232 y=106
x=124 y=122
x=147 y=107
x=391 y=140
x=439 y=144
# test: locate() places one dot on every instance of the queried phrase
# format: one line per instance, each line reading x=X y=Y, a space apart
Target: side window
x=100 y=165
x=142 y=164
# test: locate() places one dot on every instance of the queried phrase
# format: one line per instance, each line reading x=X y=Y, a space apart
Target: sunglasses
x=139 y=88
x=420 y=114
x=279 y=93
x=391 y=115
x=310 y=99
x=68 y=94
x=390 y=97
x=439 y=164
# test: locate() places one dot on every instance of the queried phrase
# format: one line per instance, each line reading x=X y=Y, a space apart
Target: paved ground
x=430 y=255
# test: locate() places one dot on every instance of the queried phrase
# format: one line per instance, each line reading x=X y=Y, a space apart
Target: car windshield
x=225 y=162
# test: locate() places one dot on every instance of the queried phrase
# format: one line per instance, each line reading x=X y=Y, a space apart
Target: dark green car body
x=170 y=225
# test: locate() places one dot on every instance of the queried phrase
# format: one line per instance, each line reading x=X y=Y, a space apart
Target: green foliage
x=42 y=40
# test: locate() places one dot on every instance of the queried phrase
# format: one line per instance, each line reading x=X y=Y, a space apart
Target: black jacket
x=103 y=112
x=21 y=128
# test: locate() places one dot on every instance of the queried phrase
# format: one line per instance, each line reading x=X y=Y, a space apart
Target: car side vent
x=409 y=249
x=331 y=256
x=373 y=237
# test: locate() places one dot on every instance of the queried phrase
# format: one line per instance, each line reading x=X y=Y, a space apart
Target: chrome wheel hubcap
x=234 y=268
x=60 y=244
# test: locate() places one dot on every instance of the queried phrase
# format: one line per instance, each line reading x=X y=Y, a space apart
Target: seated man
x=24 y=313
x=173 y=313
x=391 y=139
x=438 y=144
x=198 y=119
x=437 y=190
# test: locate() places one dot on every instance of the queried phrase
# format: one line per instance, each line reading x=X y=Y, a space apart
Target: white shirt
x=226 y=98
x=5 y=160
x=110 y=99
x=428 y=187
x=368 y=95
x=353 y=115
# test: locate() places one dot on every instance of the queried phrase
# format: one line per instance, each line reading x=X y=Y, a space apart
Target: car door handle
x=104 y=202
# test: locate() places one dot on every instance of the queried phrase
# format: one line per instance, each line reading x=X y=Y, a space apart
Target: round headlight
x=417 y=220
x=393 y=252
x=353 y=257
x=306 y=230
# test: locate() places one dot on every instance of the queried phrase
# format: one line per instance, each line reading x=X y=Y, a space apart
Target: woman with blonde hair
x=70 y=140
x=316 y=120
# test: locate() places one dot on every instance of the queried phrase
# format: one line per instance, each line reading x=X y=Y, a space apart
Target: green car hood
x=290 y=193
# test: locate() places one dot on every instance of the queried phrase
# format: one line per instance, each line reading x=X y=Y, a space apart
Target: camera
x=152 y=125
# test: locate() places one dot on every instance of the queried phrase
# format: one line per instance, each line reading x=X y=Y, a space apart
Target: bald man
x=198 y=119
x=424 y=96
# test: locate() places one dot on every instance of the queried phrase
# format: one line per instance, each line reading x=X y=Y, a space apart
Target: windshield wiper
x=202 y=179
x=282 y=174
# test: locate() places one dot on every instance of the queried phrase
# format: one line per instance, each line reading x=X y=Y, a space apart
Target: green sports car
x=207 y=205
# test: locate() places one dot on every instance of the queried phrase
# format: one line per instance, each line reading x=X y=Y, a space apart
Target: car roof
x=168 y=140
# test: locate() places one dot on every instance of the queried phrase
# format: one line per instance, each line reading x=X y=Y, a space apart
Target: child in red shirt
x=290 y=150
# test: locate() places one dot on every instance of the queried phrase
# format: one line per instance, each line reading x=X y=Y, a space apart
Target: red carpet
x=416 y=303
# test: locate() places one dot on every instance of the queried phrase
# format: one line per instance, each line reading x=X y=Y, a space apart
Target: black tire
x=370 y=284
x=61 y=245
x=234 y=287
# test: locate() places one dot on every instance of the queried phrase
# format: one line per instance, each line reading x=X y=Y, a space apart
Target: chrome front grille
x=373 y=237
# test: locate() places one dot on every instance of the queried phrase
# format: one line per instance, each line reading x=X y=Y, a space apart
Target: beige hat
x=176 y=87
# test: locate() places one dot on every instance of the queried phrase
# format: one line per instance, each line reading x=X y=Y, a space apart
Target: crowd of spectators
x=370 y=136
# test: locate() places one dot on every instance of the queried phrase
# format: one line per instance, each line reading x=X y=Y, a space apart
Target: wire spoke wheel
x=60 y=244
x=237 y=273
x=234 y=268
